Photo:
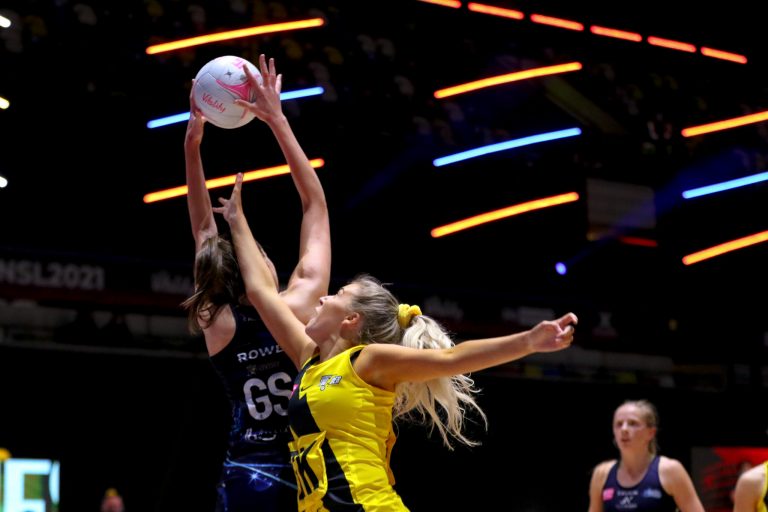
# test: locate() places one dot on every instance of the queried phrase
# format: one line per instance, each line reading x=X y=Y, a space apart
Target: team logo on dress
x=626 y=503
x=329 y=380
x=608 y=494
x=652 y=493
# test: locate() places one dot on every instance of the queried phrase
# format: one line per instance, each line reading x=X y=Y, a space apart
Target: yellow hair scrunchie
x=405 y=312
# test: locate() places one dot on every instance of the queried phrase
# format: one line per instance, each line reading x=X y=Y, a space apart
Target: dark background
x=79 y=159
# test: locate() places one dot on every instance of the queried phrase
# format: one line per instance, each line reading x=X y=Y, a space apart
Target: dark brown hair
x=217 y=283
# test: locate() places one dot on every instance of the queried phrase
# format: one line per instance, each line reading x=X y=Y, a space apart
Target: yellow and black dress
x=763 y=505
x=343 y=437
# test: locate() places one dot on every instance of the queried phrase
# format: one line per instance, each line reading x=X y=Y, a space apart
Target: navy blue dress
x=258 y=379
x=647 y=496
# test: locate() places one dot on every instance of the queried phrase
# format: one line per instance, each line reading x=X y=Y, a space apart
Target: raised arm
x=677 y=483
x=287 y=330
x=198 y=199
x=386 y=365
x=309 y=280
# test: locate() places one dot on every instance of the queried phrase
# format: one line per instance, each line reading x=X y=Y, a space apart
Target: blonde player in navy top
x=257 y=374
x=641 y=480
x=367 y=359
x=751 y=494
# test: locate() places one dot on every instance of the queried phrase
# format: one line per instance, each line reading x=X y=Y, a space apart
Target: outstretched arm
x=198 y=198
x=309 y=280
x=386 y=365
x=287 y=330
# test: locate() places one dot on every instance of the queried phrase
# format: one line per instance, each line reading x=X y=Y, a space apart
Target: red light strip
x=556 y=22
x=719 y=54
x=618 y=34
x=636 y=240
x=446 y=3
x=495 y=11
x=595 y=29
x=673 y=45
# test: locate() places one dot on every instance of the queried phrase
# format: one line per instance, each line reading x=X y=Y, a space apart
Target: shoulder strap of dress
x=312 y=360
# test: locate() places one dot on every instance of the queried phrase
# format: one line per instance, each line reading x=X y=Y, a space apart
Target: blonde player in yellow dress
x=751 y=487
x=364 y=359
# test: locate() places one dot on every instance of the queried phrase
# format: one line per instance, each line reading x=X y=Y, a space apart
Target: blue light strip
x=726 y=185
x=290 y=95
x=165 y=121
x=301 y=93
x=502 y=146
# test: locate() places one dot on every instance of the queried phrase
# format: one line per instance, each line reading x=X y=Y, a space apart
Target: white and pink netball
x=218 y=84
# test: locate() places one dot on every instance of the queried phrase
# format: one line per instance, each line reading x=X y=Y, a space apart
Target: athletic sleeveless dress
x=343 y=437
x=646 y=496
x=763 y=505
x=258 y=378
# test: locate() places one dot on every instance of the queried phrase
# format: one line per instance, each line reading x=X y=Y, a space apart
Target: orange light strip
x=509 y=211
x=495 y=11
x=674 y=45
x=733 y=245
x=509 y=77
x=447 y=3
x=618 y=34
x=724 y=125
x=233 y=34
x=595 y=29
x=556 y=22
x=719 y=54
x=259 y=174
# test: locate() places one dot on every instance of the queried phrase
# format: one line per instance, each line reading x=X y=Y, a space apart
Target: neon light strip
x=595 y=29
x=4 y=103
x=445 y=3
x=495 y=11
x=636 y=240
x=509 y=211
x=502 y=146
x=719 y=54
x=726 y=185
x=557 y=22
x=233 y=34
x=160 y=195
x=724 y=125
x=733 y=245
x=504 y=79
x=165 y=121
x=4 y=22
x=674 y=45
x=618 y=34
x=180 y=118
x=301 y=93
